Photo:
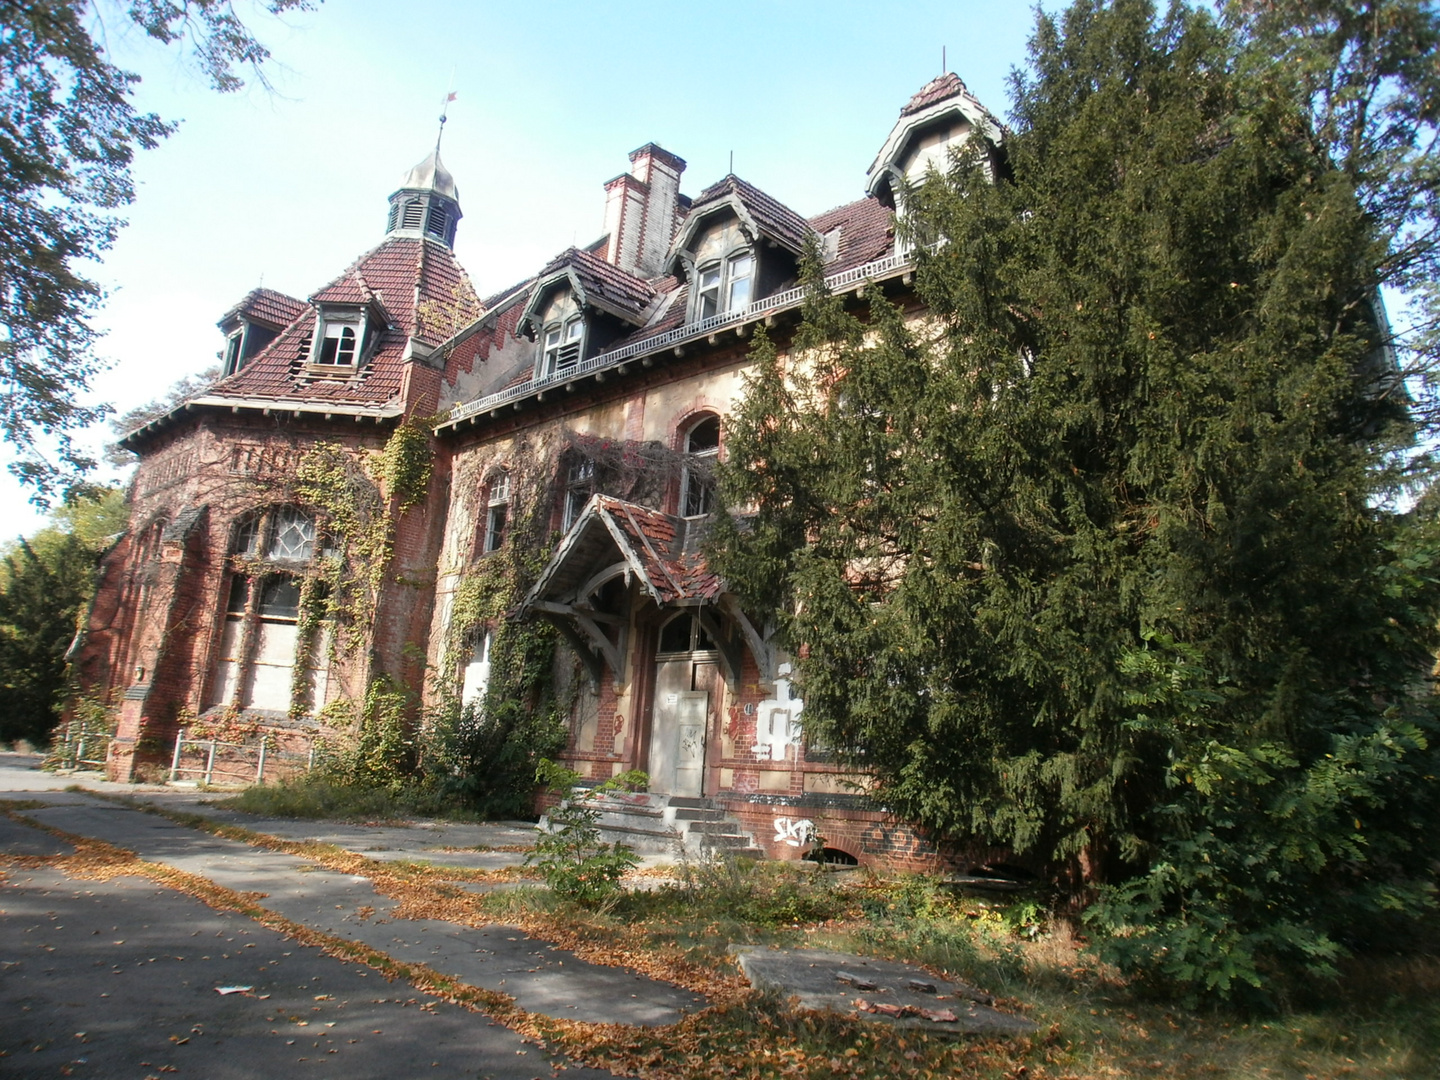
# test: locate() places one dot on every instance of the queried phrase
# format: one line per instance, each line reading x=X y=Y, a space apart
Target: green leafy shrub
x=576 y=864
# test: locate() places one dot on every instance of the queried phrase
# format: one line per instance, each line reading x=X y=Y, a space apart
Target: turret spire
x=427 y=203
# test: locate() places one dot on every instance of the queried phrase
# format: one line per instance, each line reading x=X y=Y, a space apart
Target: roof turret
x=427 y=203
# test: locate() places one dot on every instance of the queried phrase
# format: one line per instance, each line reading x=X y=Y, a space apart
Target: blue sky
x=287 y=187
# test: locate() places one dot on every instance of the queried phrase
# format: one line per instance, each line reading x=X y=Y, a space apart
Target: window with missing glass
x=497 y=511
x=270 y=552
x=684 y=633
x=579 y=486
x=702 y=452
x=339 y=344
x=564 y=344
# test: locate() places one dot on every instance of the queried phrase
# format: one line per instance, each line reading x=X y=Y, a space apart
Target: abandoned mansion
x=319 y=517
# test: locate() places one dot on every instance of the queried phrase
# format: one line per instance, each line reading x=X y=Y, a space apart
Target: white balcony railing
x=678 y=336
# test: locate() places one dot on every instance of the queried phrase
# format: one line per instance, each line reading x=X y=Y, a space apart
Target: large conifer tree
x=1094 y=559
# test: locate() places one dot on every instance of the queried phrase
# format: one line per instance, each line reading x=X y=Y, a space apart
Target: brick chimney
x=640 y=209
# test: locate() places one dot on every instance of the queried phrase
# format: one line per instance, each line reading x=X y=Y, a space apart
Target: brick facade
x=603 y=361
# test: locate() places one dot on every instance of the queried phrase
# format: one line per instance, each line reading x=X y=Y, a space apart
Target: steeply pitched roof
x=650 y=543
x=418 y=286
x=867 y=233
x=938 y=89
x=266 y=306
x=606 y=286
x=773 y=217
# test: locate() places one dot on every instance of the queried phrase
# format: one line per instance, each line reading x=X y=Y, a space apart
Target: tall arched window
x=702 y=451
x=270 y=550
x=497 y=510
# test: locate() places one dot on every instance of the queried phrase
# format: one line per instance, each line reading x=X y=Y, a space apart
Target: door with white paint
x=677 y=730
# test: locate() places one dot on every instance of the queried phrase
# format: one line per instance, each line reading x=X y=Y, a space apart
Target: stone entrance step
x=654 y=824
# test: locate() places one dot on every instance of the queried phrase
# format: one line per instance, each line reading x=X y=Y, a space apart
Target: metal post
x=260 y=769
x=175 y=762
x=210 y=762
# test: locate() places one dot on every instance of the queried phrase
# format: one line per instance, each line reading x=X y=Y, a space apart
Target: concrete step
x=686 y=813
x=638 y=813
x=715 y=828
x=668 y=824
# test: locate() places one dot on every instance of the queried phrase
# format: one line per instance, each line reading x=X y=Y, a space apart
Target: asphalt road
x=122 y=978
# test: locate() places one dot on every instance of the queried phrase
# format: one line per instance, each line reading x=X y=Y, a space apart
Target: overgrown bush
x=576 y=864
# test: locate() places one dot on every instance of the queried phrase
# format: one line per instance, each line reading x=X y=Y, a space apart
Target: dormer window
x=233 y=351
x=564 y=344
x=344 y=334
x=725 y=285
x=339 y=345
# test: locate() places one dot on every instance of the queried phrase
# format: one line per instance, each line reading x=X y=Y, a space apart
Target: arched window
x=683 y=633
x=497 y=511
x=702 y=451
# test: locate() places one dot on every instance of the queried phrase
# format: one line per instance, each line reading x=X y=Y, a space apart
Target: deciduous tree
x=69 y=131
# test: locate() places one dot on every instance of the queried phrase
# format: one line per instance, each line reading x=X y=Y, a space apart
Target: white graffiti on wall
x=777 y=720
x=796 y=832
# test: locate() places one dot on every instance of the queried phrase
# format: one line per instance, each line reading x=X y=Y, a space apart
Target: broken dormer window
x=233 y=351
x=339 y=346
x=564 y=344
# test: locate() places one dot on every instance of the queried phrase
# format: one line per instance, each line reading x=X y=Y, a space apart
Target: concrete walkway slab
x=821 y=980
x=540 y=977
x=118 y=978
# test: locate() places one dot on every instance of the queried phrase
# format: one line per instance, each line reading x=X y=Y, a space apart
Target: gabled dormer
x=578 y=306
x=426 y=205
x=937 y=121
x=737 y=245
x=254 y=323
x=350 y=320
